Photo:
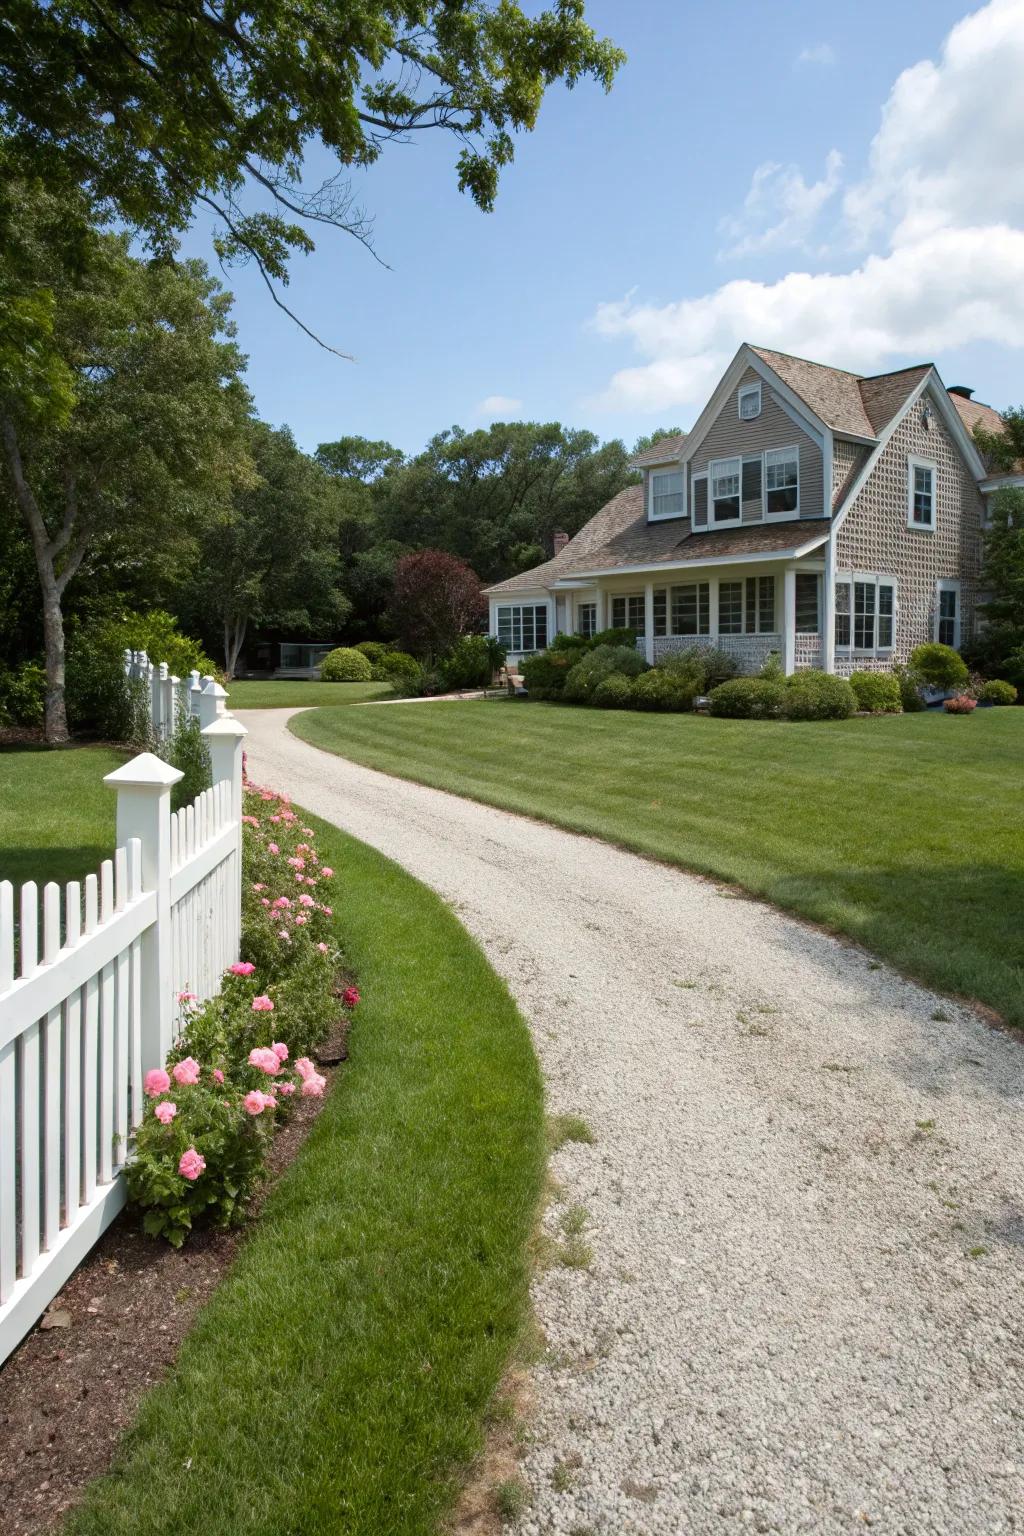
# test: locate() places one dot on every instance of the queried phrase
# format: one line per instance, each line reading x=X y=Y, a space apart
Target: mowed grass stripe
x=903 y=832
x=337 y=1380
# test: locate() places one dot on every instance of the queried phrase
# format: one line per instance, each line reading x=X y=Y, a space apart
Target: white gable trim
x=791 y=402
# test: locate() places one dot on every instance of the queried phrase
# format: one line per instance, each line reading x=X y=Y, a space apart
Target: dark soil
x=68 y=1392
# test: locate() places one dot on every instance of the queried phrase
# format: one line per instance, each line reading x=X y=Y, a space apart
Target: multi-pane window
x=781 y=481
x=886 y=606
x=524 y=627
x=660 y=611
x=667 y=494
x=750 y=402
x=864 y=593
x=947 y=616
x=747 y=607
x=691 y=609
x=921 y=494
x=808 y=620
x=865 y=612
x=730 y=607
x=725 y=490
x=629 y=613
x=586 y=619
x=842 y=613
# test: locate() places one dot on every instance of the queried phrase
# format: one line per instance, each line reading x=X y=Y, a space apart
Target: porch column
x=828 y=607
x=712 y=610
x=649 y=622
x=599 y=599
x=789 y=621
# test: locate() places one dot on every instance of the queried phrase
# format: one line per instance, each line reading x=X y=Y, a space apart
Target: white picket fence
x=168 y=698
x=88 y=989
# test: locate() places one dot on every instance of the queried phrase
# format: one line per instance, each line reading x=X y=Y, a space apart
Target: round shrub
x=599 y=664
x=545 y=675
x=345 y=665
x=748 y=698
x=818 y=696
x=471 y=662
x=614 y=692
x=613 y=637
x=401 y=669
x=877 y=692
x=962 y=704
x=998 y=691
x=705 y=663
x=909 y=682
x=939 y=665
x=663 y=688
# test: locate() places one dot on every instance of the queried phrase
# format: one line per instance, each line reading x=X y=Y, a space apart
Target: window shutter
x=752 y=480
x=700 y=503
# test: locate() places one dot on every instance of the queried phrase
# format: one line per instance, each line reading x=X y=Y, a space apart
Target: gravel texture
x=804 y=1198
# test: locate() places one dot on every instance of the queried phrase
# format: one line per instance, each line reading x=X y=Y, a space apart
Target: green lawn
x=336 y=1383
x=279 y=693
x=56 y=814
x=904 y=832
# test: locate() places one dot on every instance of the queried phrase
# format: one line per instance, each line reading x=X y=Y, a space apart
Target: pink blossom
x=262 y=1004
x=322 y=948
x=186 y=1072
x=251 y=821
x=305 y=900
x=241 y=968
x=310 y=880
x=191 y=1164
x=309 y=831
x=156 y=1082
x=304 y=1067
x=313 y=1086
x=267 y=1060
x=327 y=911
x=273 y=848
x=265 y=901
x=253 y=1103
x=283 y=933
x=275 y=819
x=187 y=997
x=165 y=1111
x=299 y=878
x=350 y=997
x=218 y=1075
x=300 y=920
x=259 y=886
x=297 y=863
x=280 y=1050
x=284 y=1088
x=326 y=871
x=283 y=901
x=301 y=847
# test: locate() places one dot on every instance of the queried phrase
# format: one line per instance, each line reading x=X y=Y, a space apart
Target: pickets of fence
x=89 y=979
x=169 y=699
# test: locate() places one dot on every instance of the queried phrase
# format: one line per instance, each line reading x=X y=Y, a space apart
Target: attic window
x=667 y=494
x=750 y=402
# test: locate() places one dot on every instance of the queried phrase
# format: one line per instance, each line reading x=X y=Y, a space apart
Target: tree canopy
x=154 y=108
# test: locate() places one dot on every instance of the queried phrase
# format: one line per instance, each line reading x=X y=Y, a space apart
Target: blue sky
x=638 y=237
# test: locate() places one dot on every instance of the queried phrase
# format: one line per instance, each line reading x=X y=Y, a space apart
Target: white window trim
x=880 y=579
x=627 y=598
x=779 y=517
x=948 y=585
x=665 y=517
x=741 y=581
x=748 y=389
x=912 y=465
x=535 y=604
x=588 y=602
x=670 y=629
x=731 y=522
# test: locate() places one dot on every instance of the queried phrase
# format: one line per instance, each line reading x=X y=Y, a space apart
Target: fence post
x=195 y=688
x=224 y=739
x=211 y=703
x=144 y=811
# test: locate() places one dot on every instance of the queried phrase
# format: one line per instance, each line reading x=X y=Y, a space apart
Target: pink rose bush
x=244 y=1058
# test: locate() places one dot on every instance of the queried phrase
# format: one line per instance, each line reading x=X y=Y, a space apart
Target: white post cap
x=223 y=727
x=147 y=771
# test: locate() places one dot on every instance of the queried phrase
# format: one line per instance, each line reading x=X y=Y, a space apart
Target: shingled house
x=831 y=518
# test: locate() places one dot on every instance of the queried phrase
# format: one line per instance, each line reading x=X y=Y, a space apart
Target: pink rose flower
x=191 y=1164
x=327 y=911
x=305 y=900
x=284 y=1088
x=283 y=933
x=280 y=1050
x=218 y=1075
x=186 y=1072
x=296 y=862
x=253 y=1102
x=262 y=1004
x=322 y=948
x=275 y=819
x=258 y=885
x=304 y=1067
x=299 y=878
x=241 y=968
x=267 y=1060
x=326 y=871
x=273 y=848
x=165 y=1111
x=155 y=1083
x=283 y=901
x=313 y=1086
x=187 y=997
x=300 y=920
x=350 y=997
x=309 y=831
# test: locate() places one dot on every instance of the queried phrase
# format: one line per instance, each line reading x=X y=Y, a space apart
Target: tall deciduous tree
x=271 y=557
x=155 y=107
x=122 y=417
x=437 y=598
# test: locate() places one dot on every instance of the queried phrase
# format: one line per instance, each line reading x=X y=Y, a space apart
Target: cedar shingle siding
x=730 y=437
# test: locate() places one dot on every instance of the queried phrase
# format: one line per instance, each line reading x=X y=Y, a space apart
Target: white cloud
x=821 y=53
x=780 y=192
x=494 y=406
x=937 y=221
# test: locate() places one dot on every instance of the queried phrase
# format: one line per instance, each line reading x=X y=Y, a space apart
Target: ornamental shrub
x=998 y=691
x=961 y=704
x=614 y=692
x=772 y=667
x=663 y=689
x=401 y=670
x=472 y=662
x=373 y=650
x=345 y=665
x=574 y=645
x=22 y=694
x=545 y=674
x=706 y=663
x=613 y=637
x=598 y=664
x=101 y=701
x=748 y=698
x=939 y=665
x=188 y=751
x=813 y=695
x=878 y=693
x=910 y=683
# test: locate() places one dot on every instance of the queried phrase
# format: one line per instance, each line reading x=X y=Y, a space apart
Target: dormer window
x=667 y=493
x=750 y=402
x=725 y=490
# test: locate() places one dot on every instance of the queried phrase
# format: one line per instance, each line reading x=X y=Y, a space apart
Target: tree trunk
x=55 y=718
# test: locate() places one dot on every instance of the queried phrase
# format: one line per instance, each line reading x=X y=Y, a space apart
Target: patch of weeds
x=764 y=1008
x=532 y=1343
x=574 y=1220
x=183 y=1294
x=951 y=1205
x=687 y=986
x=977 y=1253
x=924 y=1127
x=753 y=1027
x=502 y=1410
x=544 y=1250
x=582 y=1530
x=563 y=1128
x=838 y=1066
x=940 y=1016
x=559 y=1360
x=563 y=1473
x=511 y=1498
x=575 y=1254
x=874 y=965
x=645 y=1492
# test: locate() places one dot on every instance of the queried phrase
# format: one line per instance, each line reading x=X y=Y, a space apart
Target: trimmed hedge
x=818 y=696
x=877 y=692
x=998 y=691
x=663 y=689
x=939 y=665
x=545 y=674
x=748 y=698
x=598 y=664
x=614 y=692
x=345 y=665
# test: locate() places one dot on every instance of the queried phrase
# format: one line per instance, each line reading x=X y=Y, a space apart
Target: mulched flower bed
x=68 y=1393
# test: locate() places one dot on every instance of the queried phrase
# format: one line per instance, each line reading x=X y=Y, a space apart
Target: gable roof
x=661 y=452
x=620 y=513
x=973 y=413
x=832 y=394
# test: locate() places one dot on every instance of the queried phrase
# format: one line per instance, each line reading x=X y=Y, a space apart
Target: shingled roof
x=662 y=452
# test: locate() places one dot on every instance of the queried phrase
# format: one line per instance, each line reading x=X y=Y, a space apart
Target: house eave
x=756 y=557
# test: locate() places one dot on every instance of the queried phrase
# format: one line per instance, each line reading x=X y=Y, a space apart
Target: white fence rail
x=88 y=982
x=169 y=698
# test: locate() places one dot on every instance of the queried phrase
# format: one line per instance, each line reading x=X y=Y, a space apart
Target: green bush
x=614 y=692
x=545 y=674
x=772 y=668
x=706 y=665
x=748 y=698
x=188 y=751
x=573 y=645
x=910 y=682
x=101 y=701
x=345 y=665
x=998 y=691
x=877 y=692
x=815 y=695
x=663 y=689
x=155 y=632
x=598 y=664
x=939 y=665
x=401 y=670
x=613 y=637
x=373 y=650
x=472 y=662
x=22 y=694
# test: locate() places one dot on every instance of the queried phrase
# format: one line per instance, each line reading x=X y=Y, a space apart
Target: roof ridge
x=890 y=373
x=812 y=361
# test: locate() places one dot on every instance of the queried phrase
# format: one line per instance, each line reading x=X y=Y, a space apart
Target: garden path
x=804 y=1197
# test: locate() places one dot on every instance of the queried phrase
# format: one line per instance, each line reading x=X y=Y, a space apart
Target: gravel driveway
x=804 y=1198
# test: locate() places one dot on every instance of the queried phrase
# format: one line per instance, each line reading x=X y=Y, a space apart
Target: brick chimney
x=559 y=540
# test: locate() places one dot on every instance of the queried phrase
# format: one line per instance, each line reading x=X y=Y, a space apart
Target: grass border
x=338 y=1379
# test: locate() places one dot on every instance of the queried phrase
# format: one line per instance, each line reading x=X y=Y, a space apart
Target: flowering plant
x=962 y=704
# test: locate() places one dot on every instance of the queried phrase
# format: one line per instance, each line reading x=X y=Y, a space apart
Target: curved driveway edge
x=805 y=1198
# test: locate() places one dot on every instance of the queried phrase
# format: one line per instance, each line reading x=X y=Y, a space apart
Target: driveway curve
x=804 y=1198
